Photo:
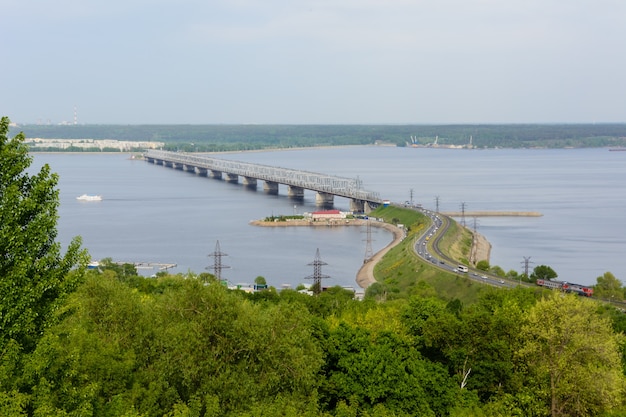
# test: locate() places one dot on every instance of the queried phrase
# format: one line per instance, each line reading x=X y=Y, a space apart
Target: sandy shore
x=365 y=276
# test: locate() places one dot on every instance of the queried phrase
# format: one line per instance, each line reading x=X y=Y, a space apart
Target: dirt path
x=365 y=276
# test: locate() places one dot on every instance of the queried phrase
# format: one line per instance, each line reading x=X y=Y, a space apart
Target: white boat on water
x=87 y=197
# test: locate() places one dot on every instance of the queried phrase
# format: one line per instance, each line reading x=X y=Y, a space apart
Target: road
x=427 y=247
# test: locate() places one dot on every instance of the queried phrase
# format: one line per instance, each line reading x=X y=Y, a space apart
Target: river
x=155 y=214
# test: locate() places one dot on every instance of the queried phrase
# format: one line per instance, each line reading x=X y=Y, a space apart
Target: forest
x=216 y=138
x=107 y=342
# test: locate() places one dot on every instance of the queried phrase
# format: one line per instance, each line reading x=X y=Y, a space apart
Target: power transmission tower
x=526 y=262
x=217 y=266
x=475 y=243
x=463 y=214
x=369 y=253
x=411 y=199
x=317 y=276
x=437 y=204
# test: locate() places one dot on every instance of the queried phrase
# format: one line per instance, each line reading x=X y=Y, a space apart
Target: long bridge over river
x=326 y=186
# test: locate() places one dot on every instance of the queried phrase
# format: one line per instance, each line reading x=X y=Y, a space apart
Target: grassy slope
x=402 y=273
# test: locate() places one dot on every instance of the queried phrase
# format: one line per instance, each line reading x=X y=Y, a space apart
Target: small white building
x=328 y=215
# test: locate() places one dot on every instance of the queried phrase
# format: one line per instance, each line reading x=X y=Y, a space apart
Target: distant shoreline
x=493 y=214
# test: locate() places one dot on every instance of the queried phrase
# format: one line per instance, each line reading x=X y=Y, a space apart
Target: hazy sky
x=313 y=61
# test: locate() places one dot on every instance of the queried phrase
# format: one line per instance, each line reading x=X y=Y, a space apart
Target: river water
x=155 y=214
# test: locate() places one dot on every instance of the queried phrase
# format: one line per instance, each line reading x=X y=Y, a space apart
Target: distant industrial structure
x=99 y=144
x=415 y=143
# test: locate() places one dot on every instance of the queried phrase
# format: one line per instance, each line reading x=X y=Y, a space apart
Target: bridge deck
x=339 y=186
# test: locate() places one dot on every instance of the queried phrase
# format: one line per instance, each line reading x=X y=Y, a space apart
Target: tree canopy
x=543 y=272
x=572 y=356
x=34 y=275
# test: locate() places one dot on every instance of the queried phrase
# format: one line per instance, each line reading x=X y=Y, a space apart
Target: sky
x=313 y=61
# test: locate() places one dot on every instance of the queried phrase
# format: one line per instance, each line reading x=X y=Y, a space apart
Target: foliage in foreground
x=34 y=275
x=175 y=346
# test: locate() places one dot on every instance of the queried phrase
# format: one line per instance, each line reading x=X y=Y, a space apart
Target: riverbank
x=481 y=248
x=365 y=275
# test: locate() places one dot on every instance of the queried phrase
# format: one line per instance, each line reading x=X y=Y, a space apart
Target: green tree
x=477 y=343
x=607 y=286
x=542 y=272
x=368 y=370
x=497 y=270
x=34 y=276
x=572 y=356
x=483 y=265
x=190 y=349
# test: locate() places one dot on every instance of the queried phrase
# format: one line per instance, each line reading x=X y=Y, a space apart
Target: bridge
x=326 y=186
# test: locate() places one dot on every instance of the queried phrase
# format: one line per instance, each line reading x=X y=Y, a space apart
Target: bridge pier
x=326 y=187
x=231 y=177
x=295 y=192
x=324 y=199
x=270 y=187
x=249 y=182
x=357 y=206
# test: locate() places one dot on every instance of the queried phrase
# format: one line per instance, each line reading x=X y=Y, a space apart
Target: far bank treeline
x=215 y=138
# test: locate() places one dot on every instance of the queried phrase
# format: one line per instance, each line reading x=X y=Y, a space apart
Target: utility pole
x=463 y=214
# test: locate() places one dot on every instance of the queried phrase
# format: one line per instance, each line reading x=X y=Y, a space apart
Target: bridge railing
x=340 y=186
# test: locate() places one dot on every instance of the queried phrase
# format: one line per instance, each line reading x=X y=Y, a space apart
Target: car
x=501 y=281
x=441 y=261
x=483 y=276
